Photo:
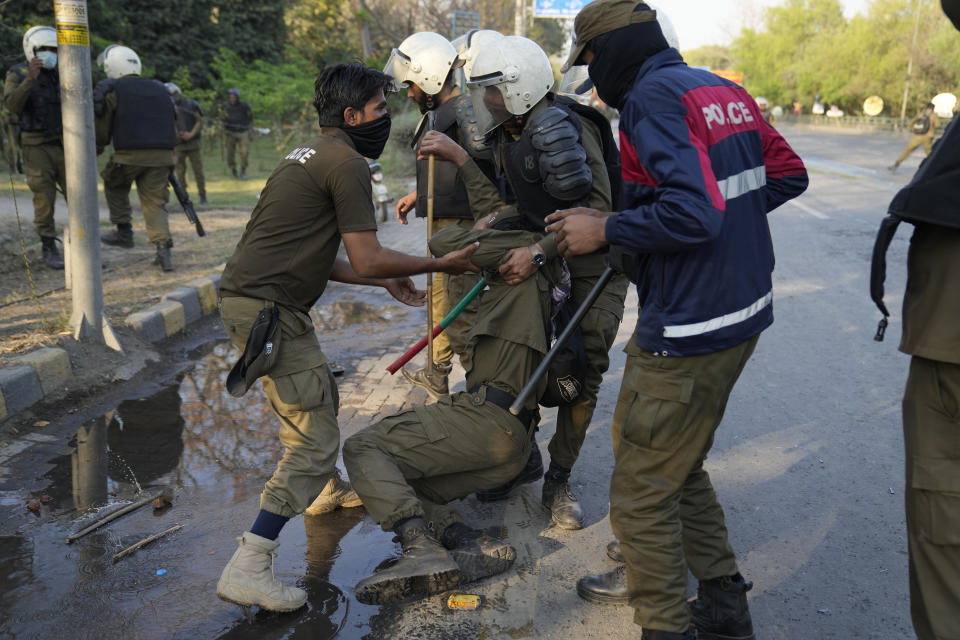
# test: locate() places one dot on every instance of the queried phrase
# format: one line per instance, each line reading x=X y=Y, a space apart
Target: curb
x=177 y=309
x=41 y=373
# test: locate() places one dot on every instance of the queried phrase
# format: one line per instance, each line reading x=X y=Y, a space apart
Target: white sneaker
x=336 y=493
x=248 y=578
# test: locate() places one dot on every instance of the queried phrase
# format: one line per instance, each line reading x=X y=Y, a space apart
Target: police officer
x=32 y=95
x=701 y=170
x=407 y=467
x=189 y=143
x=317 y=196
x=136 y=115
x=237 y=120
x=931 y=400
x=424 y=64
x=551 y=152
x=924 y=128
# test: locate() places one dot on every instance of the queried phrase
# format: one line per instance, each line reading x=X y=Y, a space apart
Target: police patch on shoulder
x=301 y=154
x=569 y=388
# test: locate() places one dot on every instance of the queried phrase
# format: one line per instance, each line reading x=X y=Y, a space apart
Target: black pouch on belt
x=260 y=353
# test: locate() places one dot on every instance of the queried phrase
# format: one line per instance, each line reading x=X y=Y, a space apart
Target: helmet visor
x=398 y=68
x=488 y=106
x=576 y=82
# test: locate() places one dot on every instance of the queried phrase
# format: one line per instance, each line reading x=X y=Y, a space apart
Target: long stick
x=146 y=541
x=437 y=330
x=517 y=405
x=113 y=515
x=431 y=171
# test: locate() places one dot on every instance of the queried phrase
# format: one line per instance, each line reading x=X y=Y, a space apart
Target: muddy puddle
x=212 y=452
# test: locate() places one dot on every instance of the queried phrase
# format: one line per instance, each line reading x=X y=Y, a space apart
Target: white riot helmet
x=469 y=44
x=669 y=31
x=518 y=68
x=118 y=61
x=424 y=59
x=37 y=37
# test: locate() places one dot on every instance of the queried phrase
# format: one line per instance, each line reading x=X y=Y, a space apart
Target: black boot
x=657 y=634
x=605 y=588
x=121 y=237
x=477 y=554
x=423 y=569
x=243 y=173
x=564 y=509
x=530 y=473
x=203 y=198
x=164 y=259
x=720 y=611
x=51 y=255
x=234 y=170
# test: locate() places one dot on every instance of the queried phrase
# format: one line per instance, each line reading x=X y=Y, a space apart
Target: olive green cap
x=600 y=17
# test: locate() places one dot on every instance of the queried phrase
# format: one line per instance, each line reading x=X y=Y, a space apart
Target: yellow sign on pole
x=71 y=16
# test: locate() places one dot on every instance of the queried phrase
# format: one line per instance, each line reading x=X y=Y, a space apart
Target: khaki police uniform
x=149 y=168
x=667 y=413
x=284 y=259
x=924 y=140
x=413 y=463
x=190 y=120
x=931 y=430
x=600 y=324
x=237 y=120
x=451 y=208
x=41 y=142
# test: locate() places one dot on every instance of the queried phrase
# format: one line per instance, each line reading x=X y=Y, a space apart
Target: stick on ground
x=113 y=515
x=146 y=541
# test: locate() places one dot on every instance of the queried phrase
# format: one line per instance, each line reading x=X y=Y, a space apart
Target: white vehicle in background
x=381 y=198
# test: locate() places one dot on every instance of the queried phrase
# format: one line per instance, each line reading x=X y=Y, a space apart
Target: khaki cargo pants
x=599 y=329
x=413 y=463
x=151 y=188
x=196 y=160
x=236 y=139
x=303 y=395
x=925 y=141
x=931 y=434
x=45 y=171
x=663 y=508
x=447 y=292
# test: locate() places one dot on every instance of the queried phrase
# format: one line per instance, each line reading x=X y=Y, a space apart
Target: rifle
x=186 y=204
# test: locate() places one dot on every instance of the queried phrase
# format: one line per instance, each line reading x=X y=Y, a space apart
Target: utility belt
x=504 y=400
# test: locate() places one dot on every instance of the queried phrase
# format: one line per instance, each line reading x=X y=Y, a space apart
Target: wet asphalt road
x=808 y=465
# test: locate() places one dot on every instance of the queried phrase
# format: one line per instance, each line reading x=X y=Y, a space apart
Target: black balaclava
x=619 y=54
x=370 y=137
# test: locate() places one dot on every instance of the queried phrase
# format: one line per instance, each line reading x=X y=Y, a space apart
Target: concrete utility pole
x=913 y=48
x=520 y=19
x=88 y=321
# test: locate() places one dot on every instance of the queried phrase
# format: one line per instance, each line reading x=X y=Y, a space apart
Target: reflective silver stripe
x=743 y=182
x=698 y=328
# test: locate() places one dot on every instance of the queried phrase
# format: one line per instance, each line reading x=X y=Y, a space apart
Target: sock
x=268 y=525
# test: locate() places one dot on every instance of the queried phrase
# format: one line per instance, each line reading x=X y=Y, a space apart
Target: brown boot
x=337 y=493
x=425 y=568
x=435 y=382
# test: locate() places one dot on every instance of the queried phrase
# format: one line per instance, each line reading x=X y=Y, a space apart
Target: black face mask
x=370 y=137
x=618 y=56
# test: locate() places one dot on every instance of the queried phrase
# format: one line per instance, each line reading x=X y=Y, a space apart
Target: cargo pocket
x=412 y=428
x=658 y=405
x=936 y=485
x=303 y=391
